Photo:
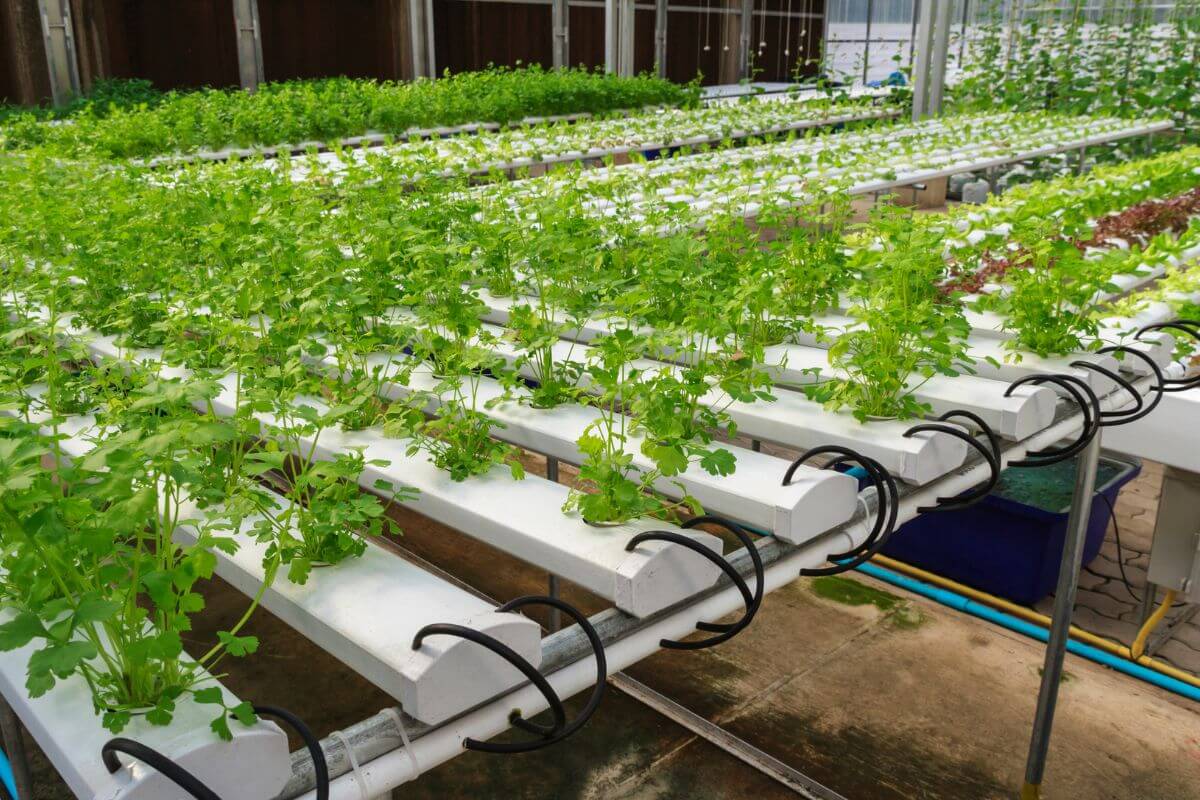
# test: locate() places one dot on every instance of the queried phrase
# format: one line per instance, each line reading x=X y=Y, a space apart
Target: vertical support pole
x=58 y=33
x=660 y=37
x=867 y=41
x=1064 y=606
x=924 y=45
x=14 y=749
x=249 y=44
x=937 y=64
x=560 y=24
x=625 y=48
x=962 y=36
x=416 y=38
x=611 y=36
x=912 y=40
x=746 y=29
x=430 y=52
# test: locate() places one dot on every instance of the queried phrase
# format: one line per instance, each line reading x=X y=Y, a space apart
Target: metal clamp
x=151 y=757
x=888 y=497
x=991 y=454
x=1089 y=406
x=719 y=561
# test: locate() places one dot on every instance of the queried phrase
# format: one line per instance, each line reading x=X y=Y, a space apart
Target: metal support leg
x=1064 y=605
x=756 y=445
x=14 y=748
x=552 y=469
x=1082 y=157
x=555 y=614
x=1146 y=607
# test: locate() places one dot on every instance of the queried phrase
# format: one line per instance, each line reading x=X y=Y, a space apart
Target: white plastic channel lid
x=365 y=611
x=255 y=764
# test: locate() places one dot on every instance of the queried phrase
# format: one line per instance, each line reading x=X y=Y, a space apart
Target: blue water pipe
x=6 y=775
x=975 y=609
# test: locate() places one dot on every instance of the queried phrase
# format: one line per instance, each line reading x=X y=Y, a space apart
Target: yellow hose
x=1029 y=615
x=1139 y=643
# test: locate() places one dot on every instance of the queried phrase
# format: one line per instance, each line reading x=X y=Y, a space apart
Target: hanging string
x=707 y=21
x=787 y=39
x=725 y=28
x=762 y=29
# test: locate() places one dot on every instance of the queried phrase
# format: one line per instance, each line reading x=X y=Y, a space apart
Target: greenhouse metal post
x=937 y=63
x=249 y=44
x=58 y=33
x=1064 y=605
x=924 y=45
x=747 y=27
x=560 y=21
x=660 y=37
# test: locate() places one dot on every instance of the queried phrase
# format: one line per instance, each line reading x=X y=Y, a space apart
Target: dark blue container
x=1010 y=543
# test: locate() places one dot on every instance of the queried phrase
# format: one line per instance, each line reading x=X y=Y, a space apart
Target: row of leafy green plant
x=95 y=572
x=104 y=96
x=1112 y=57
x=258 y=247
x=333 y=108
x=238 y=271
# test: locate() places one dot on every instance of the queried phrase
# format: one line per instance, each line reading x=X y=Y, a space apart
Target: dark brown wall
x=470 y=35
x=176 y=44
x=319 y=38
x=24 y=77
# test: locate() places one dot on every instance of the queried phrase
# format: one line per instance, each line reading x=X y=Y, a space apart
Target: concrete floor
x=874 y=693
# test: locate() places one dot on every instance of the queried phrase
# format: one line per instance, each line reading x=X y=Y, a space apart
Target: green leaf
x=238 y=645
x=20 y=630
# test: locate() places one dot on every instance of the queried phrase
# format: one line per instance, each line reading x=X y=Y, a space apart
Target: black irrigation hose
x=873 y=470
x=514 y=658
x=730 y=629
x=878 y=479
x=311 y=742
x=1138 y=402
x=1190 y=327
x=717 y=559
x=152 y=758
x=990 y=455
x=1157 y=389
x=593 y=702
x=887 y=495
x=1090 y=408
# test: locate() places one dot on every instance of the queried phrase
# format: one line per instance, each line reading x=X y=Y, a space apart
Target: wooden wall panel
x=24 y=76
x=471 y=35
x=180 y=44
x=321 y=38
